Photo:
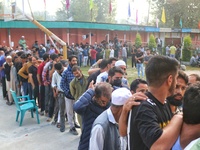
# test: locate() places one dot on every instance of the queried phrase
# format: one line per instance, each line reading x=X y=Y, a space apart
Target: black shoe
x=76 y=125
x=63 y=130
x=53 y=123
x=73 y=131
x=9 y=103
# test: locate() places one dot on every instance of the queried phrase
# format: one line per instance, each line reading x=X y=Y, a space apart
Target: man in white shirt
x=59 y=94
x=102 y=77
x=105 y=134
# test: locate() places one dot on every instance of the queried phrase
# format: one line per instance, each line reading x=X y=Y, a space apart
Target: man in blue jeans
x=139 y=57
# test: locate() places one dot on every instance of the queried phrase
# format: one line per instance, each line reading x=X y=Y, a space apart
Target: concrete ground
x=31 y=135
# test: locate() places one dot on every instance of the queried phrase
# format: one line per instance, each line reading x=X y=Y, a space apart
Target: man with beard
x=176 y=100
x=115 y=76
x=190 y=133
x=67 y=77
x=149 y=122
x=78 y=86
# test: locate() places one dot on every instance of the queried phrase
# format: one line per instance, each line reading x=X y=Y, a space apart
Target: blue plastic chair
x=23 y=106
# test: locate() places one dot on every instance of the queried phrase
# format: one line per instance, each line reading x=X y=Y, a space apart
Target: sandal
x=58 y=125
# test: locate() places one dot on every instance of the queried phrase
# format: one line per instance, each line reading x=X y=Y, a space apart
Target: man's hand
x=91 y=86
x=132 y=101
x=99 y=61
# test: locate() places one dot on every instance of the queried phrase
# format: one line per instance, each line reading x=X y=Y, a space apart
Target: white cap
x=8 y=57
x=120 y=96
x=22 y=36
x=120 y=63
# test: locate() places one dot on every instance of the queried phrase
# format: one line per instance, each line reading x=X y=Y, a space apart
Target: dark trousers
x=30 y=90
x=36 y=93
x=51 y=103
x=42 y=98
x=61 y=99
x=3 y=81
x=47 y=97
x=25 y=88
x=133 y=61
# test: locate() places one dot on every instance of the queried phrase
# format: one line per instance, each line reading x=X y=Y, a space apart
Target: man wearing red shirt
x=93 y=54
x=41 y=84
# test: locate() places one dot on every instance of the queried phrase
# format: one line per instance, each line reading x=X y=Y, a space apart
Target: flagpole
x=91 y=15
x=148 y=12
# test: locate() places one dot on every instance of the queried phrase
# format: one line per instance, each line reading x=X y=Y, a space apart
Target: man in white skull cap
x=121 y=64
x=105 y=133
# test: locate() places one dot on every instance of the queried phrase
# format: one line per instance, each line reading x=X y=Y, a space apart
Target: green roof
x=91 y=25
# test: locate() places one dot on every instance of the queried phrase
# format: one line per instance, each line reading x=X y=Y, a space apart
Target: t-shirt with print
x=147 y=121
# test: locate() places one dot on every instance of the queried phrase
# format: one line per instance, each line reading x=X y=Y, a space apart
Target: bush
x=138 y=40
x=152 y=42
x=186 y=54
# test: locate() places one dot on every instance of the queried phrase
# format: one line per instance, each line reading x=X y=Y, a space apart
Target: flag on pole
x=136 y=16
x=45 y=3
x=157 y=20
x=67 y=4
x=91 y=4
x=110 y=7
x=163 y=18
x=181 y=23
x=129 y=10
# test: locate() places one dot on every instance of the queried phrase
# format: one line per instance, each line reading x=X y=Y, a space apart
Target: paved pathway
x=31 y=135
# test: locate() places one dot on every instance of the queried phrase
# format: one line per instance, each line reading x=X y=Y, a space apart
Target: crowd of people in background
x=154 y=111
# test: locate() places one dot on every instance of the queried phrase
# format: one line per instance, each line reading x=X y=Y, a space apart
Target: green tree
x=186 y=54
x=187 y=10
x=152 y=42
x=103 y=14
x=138 y=40
x=1 y=10
x=80 y=11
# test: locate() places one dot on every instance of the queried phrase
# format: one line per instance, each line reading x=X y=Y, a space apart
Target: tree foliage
x=138 y=40
x=187 y=48
x=1 y=9
x=80 y=11
x=187 y=10
x=152 y=42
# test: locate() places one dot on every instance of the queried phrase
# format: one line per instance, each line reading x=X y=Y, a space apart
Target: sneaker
x=73 y=131
x=53 y=123
x=49 y=119
x=46 y=114
x=62 y=129
x=58 y=125
x=42 y=113
x=9 y=103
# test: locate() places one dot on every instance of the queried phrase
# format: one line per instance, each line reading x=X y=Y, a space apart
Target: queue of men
x=156 y=113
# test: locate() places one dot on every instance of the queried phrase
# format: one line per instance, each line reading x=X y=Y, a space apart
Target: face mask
x=174 y=101
x=117 y=82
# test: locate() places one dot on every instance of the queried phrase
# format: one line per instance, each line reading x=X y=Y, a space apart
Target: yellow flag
x=163 y=18
x=91 y=4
